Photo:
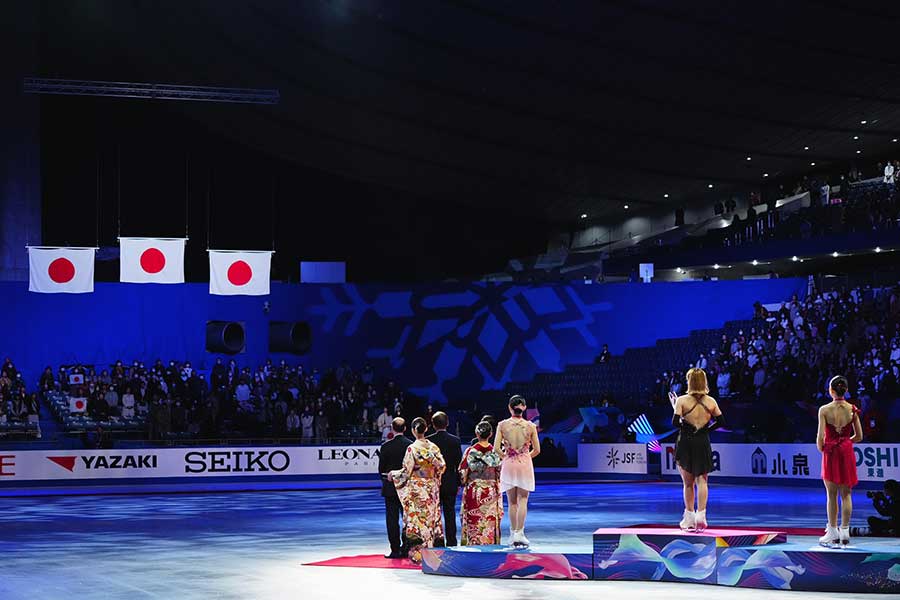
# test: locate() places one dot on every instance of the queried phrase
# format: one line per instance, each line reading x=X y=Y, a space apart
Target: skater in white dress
x=517 y=442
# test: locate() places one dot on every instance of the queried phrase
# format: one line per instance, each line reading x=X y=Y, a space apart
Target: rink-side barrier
x=787 y=462
x=189 y=464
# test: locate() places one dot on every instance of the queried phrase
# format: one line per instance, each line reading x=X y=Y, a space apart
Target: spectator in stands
x=383 y=424
x=702 y=363
x=889 y=173
x=293 y=423
x=321 y=425
x=306 y=423
x=723 y=381
x=604 y=355
x=128 y=404
x=8 y=369
x=112 y=399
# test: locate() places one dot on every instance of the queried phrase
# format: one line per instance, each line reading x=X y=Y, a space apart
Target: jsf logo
x=612 y=458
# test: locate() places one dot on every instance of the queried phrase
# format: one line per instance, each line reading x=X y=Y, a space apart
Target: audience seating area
x=769 y=373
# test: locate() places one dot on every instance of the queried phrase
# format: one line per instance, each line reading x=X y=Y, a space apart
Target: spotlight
x=878 y=249
x=665 y=195
x=806 y=147
x=855 y=137
x=626 y=207
x=894 y=140
x=834 y=254
x=680 y=270
x=765 y=174
x=584 y=216
x=710 y=186
x=863 y=122
x=755 y=262
x=812 y=164
x=794 y=258
x=749 y=158
x=859 y=151
x=716 y=266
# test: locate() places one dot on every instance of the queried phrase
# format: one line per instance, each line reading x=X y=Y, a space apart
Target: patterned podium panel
x=732 y=558
x=503 y=562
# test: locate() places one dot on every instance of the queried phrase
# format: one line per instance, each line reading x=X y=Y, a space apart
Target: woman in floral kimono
x=482 y=504
x=418 y=484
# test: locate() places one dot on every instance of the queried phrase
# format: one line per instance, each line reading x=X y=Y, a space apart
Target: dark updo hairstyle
x=419 y=425
x=839 y=384
x=483 y=430
x=517 y=404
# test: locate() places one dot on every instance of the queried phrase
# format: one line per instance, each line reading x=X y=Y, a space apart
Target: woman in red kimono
x=839 y=429
x=482 y=504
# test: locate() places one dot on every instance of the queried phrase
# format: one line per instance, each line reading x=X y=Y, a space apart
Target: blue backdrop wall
x=441 y=341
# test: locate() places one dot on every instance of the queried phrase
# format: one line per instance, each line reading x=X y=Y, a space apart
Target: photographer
x=887 y=505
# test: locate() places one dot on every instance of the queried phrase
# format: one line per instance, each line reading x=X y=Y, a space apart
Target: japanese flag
x=151 y=260
x=77 y=405
x=60 y=270
x=239 y=273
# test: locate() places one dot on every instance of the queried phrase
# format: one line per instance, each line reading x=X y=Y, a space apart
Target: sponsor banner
x=874 y=462
x=52 y=465
x=612 y=458
x=187 y=462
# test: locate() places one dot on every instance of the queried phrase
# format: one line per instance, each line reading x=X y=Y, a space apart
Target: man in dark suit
x=452 y=451
x=390 y=459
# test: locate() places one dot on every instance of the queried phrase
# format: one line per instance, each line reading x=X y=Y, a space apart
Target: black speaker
x=294 y=337
x=225 y=337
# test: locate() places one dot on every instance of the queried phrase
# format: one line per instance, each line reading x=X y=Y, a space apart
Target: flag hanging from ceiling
x=53 y=270
x=239 y=273
x=151 y=260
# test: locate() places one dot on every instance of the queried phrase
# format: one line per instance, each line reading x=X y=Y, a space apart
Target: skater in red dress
x=839 y=429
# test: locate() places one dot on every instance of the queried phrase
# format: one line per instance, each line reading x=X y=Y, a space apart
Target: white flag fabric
x=77 y=405
x=151 y=260
x=239 y=273
x=53 y=270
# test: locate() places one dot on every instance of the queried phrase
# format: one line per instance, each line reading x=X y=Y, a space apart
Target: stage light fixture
x=806 y=147
x=755 y=262
x=834 y=254
x=584 y=216
x=855 y=137
x=665 y=195
x=812 y=164
x=794 y=258
x=749 y=158
x=626 y=207
x=877 y=248
x=765 y=174
x=710 y=186
x=863 y=122
x=716 y=266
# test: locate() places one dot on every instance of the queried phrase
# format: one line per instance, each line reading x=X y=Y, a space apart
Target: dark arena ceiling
x=547 y=109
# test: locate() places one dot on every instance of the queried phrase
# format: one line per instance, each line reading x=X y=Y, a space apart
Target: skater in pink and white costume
x=517 y=442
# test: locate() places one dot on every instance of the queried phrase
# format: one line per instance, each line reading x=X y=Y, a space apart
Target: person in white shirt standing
x=383 y=423
x=889 y=173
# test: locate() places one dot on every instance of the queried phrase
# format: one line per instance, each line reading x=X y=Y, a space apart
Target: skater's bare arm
x=857 y=429
x=820 y=434
x=535 y=442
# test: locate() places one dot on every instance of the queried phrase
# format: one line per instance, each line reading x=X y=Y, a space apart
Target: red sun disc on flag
x=152 y=260
x=79 y=404
x=61 y=270
x=239 y=273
